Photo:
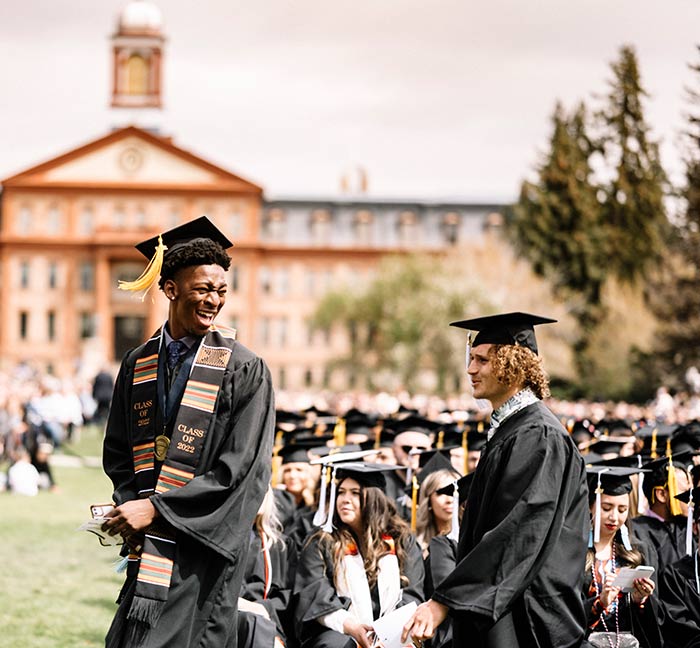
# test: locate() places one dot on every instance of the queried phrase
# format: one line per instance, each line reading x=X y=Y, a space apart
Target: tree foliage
x=675 y=295
x=398 y=325
x=596 y=212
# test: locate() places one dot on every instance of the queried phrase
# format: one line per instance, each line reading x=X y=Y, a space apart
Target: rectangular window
x=282 y=331
x=87 y=325
x=235 y=278
x=264 y=331
x=23 y=325
x=24 y=274
x=53 y=275
x=24 y=222
x=265 y=281
x=51 y=325
x=86 y=223
x=86 y=272
x=282 y=282
x=55 y=220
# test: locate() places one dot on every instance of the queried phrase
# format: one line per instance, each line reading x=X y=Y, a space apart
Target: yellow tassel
x=654 y=455
x=339 y=433
x=150 y=275
x=465 y=447
x=378 y=437
x=414 y=502
x=674 y=504
x=440 y=440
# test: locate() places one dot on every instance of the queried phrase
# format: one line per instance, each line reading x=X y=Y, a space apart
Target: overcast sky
x=435 y=98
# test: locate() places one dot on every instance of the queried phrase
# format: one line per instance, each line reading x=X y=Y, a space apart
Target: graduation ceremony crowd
x=305 y=564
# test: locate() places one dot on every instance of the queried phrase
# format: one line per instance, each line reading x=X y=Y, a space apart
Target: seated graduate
x=360 y=565
x=614 y=617
x=435 y=501
x=663 y=525
x=679 y=584
x=268 y=580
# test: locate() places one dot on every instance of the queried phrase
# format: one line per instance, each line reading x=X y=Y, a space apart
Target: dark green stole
x=180 y=458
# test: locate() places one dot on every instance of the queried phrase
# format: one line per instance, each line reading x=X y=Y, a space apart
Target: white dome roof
x=141 y=14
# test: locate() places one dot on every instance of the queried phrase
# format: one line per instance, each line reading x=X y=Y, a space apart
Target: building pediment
x=131 y=158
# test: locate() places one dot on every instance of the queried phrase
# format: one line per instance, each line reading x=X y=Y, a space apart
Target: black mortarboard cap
x=199 y=228
x=365 y=474
x=606 y=445
x=614 y=480
x=296 y=453
x=412 y=423
x=685 y=496
x=506 y=328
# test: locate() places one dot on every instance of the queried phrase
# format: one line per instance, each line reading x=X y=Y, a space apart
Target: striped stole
x=181 y=458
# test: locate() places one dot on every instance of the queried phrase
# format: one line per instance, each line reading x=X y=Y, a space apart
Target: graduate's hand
x=130 y=517
x=358 y=631
x=643 y=587
x=609 y=594
x=425 y=620
x=253 y=607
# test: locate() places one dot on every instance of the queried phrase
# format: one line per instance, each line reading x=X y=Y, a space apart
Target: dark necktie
x=175 y=350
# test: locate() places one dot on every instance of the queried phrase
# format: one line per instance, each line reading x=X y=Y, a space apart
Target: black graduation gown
x=667 y=539
x=283 y=559
x=523 y=540
x=315 y=594
x=681 y=604
x=641 y=622
x=441 y=561
x=211 y=516
x=302 y=525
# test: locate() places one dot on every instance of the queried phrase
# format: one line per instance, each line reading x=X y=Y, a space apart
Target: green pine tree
x=675 y=295
x=635 y=218
x=556 y=224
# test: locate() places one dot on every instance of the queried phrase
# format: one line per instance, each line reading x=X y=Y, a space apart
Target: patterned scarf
x=162 y=463
x=514 y=404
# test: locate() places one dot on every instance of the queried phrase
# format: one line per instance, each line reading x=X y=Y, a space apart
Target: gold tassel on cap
x=674 y=504
x=339 y=433
x=150 y=275
x=414 y=502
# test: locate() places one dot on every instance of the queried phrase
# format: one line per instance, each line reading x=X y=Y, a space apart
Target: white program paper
x=625 y=578
x=388 y=628
x=94 y=525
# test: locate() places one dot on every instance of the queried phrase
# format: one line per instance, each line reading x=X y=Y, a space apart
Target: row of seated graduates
x=421 y=461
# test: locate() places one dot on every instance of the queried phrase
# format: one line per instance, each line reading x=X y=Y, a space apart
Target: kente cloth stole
x=180 y=456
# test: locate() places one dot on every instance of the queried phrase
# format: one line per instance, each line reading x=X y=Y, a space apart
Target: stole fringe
x=143 y=616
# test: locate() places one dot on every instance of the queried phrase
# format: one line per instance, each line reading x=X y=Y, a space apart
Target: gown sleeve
x=414 y=571
x=523 y=517
x=210 y=507
x=681 y=608
x=441 y=561
x=314 y=587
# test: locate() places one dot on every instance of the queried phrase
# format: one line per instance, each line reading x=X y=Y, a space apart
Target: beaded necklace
x=614 y=603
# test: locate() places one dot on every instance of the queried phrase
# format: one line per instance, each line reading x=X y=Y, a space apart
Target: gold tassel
x=414 y=502
x=378 y=437
x=654 y=454
x=274 y=480
x=150 y=275
x=465 y=447
x=674 y=504
x=339 y=433
x=440 y=440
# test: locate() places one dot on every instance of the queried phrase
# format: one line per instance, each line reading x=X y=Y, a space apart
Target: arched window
x=136 y=75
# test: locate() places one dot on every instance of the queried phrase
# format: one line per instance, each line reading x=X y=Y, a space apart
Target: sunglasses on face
x=407 y=448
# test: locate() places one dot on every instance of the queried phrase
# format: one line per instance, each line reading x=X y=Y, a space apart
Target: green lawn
x=57 y=586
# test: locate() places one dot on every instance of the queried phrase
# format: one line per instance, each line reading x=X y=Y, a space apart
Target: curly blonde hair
x=515 y=365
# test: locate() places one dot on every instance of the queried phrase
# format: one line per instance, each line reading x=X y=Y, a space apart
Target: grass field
x=57 y=586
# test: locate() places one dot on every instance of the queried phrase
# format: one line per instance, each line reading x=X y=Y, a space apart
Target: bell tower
x=137 y=57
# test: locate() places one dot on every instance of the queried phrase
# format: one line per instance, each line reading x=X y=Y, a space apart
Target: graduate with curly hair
x=523 y=538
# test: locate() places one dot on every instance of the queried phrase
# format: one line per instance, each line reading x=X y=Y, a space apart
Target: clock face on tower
x=131 y=159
